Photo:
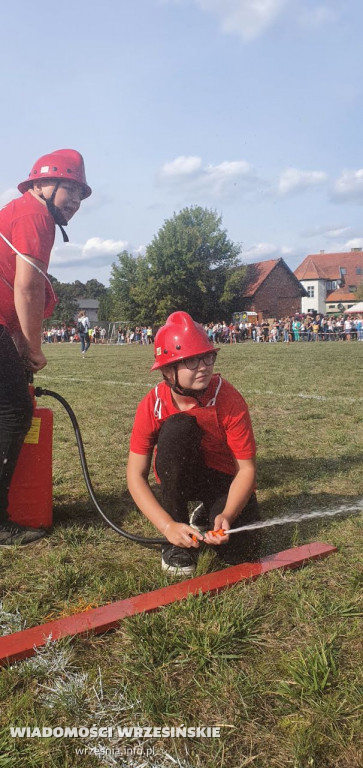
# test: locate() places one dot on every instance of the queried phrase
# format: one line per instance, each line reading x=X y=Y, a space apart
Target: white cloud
x=245 y=18
x=292 y=180
x=318 y=16
x=219 y=179
x=349 y=187
x=209 y=180
x=251 y=18
x=229 y=169
x=140 y=250
x=356 y=242
x=181 y=166
x=260 y=252
x=333 y=234
x=8 y=195
x=95 y=247
x=332 y=231
x=265 y=251
x=95 y=252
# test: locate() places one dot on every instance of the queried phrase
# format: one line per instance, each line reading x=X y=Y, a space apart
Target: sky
x=252 y=108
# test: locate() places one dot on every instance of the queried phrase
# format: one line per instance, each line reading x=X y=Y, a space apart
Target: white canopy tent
x=355 y=308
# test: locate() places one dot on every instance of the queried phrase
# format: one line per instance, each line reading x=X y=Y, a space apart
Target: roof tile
x=256 y=274
x=327 y=266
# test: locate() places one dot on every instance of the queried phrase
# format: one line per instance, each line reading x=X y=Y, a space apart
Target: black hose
x=139 y=539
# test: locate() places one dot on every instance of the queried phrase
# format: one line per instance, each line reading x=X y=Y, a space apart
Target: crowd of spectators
x=138 y=335
x=287 y=329
x=290 y=329
x=69 y=333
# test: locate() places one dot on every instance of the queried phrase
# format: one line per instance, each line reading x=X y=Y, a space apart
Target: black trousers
x=184 y=477
x=15 y=414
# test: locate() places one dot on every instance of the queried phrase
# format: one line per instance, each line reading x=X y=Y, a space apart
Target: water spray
x=39 y=467
x=343 y=509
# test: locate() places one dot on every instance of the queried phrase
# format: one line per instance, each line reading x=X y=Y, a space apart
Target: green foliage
x=93 y=289
x=105 y=306
x=68 y=295
x=232 y=288
x=310 y=672
x=189 y=262
x=188 y=265
x=67 y=306
x=124 y=277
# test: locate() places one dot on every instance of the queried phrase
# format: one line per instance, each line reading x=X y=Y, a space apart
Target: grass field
x=277 y=663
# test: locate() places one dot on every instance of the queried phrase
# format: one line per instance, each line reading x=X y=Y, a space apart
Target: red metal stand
x=21 y=645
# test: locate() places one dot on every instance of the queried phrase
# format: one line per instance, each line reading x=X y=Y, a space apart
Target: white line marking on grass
x=302 y=395
x=77 y=380
x=266 y=392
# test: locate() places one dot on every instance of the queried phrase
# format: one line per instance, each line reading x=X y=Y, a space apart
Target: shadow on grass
x=121 y=510
x=273 y=472
x=118 y=508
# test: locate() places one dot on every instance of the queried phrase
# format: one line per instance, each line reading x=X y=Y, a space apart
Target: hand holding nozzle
x=221 y=533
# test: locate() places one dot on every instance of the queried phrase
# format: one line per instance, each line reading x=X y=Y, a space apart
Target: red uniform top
x=29 y=226
x=222 y=415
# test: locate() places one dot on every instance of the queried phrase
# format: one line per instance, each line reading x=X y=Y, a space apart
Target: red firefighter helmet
x=179 y=338
x=61 y=164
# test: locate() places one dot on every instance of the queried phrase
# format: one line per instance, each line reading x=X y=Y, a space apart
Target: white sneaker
x=178 y=561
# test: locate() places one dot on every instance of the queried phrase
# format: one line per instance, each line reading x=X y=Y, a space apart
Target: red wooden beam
x=21 y=645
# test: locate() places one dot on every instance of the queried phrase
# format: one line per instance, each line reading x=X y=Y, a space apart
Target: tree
x=190 y=265
x=93 y=289
x=68 y=295
x=189 y=262
x=232 y=294
x=76 y=289
x=67 y=306
x=105 y=306
x=122 y=283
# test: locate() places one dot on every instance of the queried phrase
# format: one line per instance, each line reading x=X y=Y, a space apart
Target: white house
x=331 y=280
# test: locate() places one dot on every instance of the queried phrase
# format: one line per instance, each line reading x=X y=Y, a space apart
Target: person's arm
x=138 y=468
x=29 y=295
x=239 y=494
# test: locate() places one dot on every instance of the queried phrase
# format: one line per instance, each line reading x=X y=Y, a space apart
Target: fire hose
x=143 y=540
x=149 y=541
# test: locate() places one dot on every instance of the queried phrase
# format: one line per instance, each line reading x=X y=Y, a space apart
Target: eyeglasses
x=192 y=363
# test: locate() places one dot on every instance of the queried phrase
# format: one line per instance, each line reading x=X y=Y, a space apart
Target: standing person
x=286 y=327
x=265 y=330
x=315 y=329
x=51 y=195
x=296 y=325
x=347 y=328
x=149 y=334
x=205 y=450
x=360 y=328
x=83 y=330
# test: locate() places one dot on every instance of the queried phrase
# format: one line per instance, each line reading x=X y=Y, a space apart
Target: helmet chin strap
x=56 y=213
x=183 y=390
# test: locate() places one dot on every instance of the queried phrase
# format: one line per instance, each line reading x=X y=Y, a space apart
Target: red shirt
x=29 y=226
x=222 y=415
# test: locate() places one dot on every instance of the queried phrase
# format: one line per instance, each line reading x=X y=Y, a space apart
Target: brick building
x=271 y=289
